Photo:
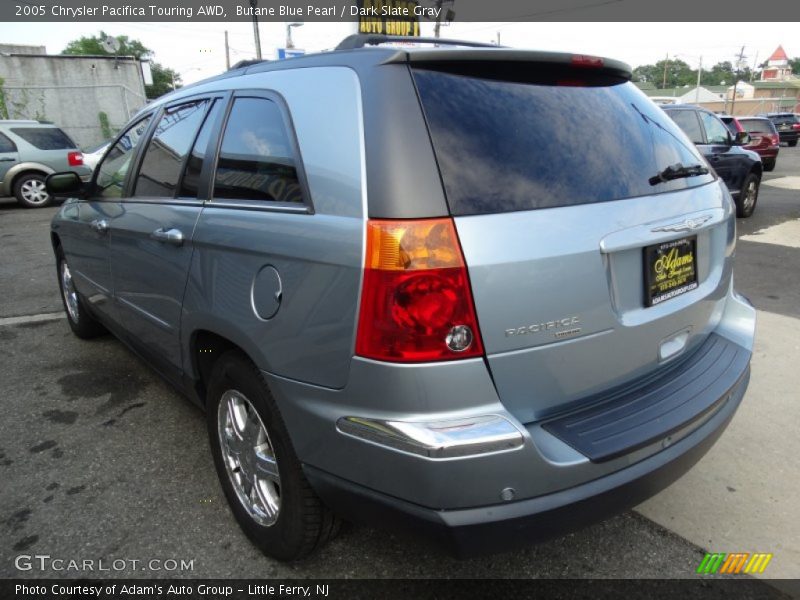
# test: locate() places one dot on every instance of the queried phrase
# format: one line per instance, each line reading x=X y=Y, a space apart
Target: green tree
x=678 y=74
x=163 y=77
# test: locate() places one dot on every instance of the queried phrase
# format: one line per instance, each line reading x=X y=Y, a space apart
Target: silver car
x=29 y=152
x=479 y=293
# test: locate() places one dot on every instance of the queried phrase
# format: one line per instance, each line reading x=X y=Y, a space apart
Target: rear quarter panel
x=318 y=256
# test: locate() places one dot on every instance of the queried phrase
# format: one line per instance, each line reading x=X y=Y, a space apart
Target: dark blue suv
x=740 y=169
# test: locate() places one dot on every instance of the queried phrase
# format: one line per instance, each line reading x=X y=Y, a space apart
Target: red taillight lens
x=775 y=138
x=796 y=126
x=584 y=60
x=75 y=159
x=416 y=304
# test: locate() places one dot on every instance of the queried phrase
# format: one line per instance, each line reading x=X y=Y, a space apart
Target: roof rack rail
x=373 y=39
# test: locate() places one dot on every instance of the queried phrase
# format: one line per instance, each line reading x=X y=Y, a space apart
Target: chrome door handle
x=100 y=225
x=168 y=236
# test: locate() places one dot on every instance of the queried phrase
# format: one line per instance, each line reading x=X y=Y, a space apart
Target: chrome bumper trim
x=450 y=438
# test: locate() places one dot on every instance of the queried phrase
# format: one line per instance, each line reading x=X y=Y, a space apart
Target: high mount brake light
x=416 y=302
x=584 y=60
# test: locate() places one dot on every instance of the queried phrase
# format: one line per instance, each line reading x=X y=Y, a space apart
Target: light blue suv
x=408 y=291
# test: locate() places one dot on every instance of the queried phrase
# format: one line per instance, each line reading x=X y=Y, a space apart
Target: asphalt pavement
x=100 y=459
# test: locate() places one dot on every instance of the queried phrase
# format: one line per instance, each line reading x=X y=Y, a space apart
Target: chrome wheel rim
x=750 y=195
x=34 y=191
x=69 y=292
x=249 y=458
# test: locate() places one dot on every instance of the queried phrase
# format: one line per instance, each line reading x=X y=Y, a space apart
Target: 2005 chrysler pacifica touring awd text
x=409 y=289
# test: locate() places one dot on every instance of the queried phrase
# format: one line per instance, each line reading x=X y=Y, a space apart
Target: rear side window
x=505 y=146
x=168 y=149
x=256 y=161
x=687 y=121
x=45 y=138
x=6 y=145
x=191 y=176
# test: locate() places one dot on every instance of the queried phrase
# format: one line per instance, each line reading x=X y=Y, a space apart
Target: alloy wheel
x=69 y=292
x=34 y=191
x=249 y=457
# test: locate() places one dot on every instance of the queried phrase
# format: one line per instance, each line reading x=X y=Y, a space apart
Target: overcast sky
x=197 y=50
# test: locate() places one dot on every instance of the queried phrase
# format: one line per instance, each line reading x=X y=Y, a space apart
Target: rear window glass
x=45 y=138
x=757 y=125
x=506 y=146
x=781 y=119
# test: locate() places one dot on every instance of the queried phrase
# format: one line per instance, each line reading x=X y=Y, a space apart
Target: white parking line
x=783 y=234
x=787 y=183
x=31 y=318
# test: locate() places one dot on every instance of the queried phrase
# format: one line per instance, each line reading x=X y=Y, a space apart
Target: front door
x=151 y=240
x=86 y=226
x=717 y=151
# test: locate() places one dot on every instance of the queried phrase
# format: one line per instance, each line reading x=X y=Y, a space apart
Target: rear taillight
x=775 y=139
x=416 y=303
x=796 y=126
x=75 y=159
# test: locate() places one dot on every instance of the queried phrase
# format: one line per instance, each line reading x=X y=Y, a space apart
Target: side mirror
x=66 y=184
x=742 y=138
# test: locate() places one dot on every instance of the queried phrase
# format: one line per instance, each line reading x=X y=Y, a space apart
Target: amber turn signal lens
x=412 y=245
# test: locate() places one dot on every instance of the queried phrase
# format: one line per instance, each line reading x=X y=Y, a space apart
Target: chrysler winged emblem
x=686 y=225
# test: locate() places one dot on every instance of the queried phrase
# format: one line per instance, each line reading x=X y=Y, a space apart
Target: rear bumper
x=500 y=527
x=788 y=136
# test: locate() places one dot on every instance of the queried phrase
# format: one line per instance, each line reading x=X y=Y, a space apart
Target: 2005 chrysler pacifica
x=407 y=288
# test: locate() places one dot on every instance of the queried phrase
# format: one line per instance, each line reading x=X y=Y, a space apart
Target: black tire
x=302 y=524
x=28 y=191
x=769 y=165
x=80 y=320
x=744 y=208
x=792 y=144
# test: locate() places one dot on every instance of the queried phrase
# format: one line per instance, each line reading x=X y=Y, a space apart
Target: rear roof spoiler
x=458 y=54
x=360 y=40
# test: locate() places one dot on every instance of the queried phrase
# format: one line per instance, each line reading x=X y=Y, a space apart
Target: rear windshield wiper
x=678 y=171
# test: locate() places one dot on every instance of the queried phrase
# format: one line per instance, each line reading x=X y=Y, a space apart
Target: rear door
x=562 y=216
x=151 y=238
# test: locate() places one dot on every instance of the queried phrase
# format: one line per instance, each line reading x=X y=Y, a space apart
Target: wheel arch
x=205 y=348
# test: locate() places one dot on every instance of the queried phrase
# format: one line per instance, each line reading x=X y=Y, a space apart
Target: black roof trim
x=360 y=40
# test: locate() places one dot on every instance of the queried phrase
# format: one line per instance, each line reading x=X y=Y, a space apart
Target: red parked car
x=764 y=138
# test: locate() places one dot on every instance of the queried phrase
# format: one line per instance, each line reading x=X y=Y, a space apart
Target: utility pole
x=438 y=18
x=256 y=36
x=699 y=74
x=736 y=80
x=666 y=62
x=498 y=38
x=227 y=53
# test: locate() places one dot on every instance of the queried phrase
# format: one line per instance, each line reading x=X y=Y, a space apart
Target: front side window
x=168 y=149
x=45 y=138
x=112 y=171
x=716 y=132
x=256 y=161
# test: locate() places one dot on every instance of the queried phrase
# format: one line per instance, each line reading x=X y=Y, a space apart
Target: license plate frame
x=670 y=270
